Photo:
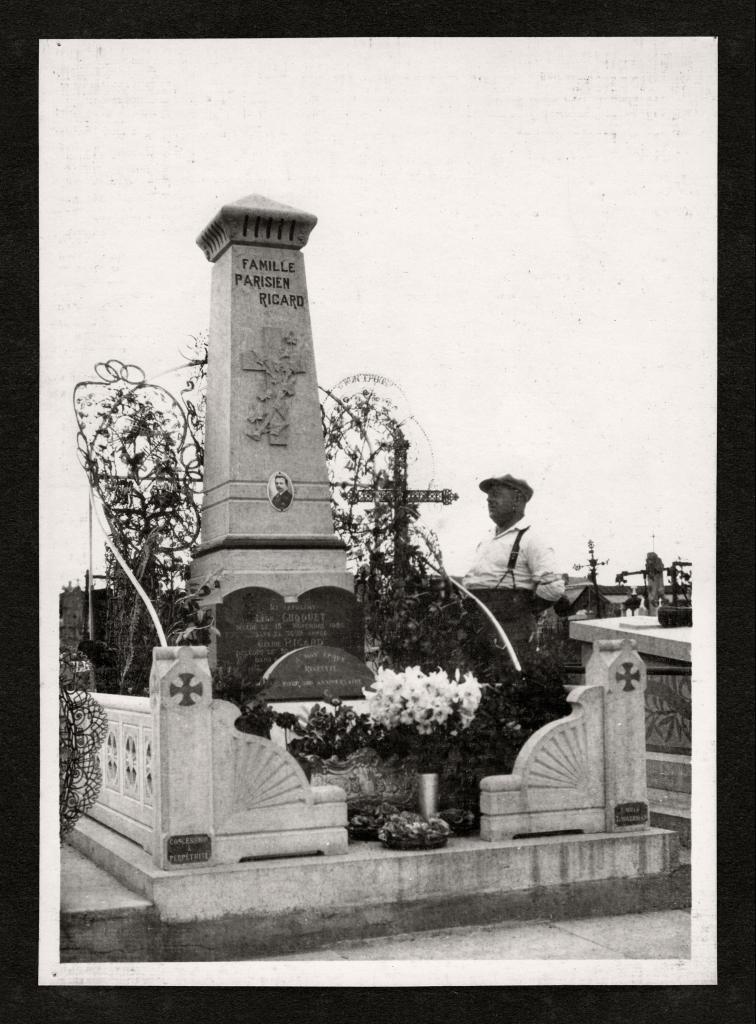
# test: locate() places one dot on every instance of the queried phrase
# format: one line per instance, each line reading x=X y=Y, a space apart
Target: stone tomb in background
x=258 y=627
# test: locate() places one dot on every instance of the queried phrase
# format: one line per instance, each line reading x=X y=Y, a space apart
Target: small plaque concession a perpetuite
x=631 y=814
x=191 y=849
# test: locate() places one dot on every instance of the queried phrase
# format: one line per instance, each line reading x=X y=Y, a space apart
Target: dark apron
x=513 y=609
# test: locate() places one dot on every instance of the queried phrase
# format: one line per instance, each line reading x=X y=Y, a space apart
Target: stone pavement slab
x=88 y=888
x=661 y=935
x=648 y=936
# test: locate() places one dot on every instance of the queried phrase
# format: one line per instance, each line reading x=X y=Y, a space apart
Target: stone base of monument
x=264 y=908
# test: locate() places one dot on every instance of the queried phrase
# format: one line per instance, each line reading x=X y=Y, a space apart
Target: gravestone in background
x=267 y=526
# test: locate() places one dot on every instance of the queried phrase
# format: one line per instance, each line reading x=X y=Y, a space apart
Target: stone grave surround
x=181 y=780
x=227 y=817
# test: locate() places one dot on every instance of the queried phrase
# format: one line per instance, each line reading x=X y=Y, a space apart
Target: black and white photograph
x=380 y=372
x=280 y=491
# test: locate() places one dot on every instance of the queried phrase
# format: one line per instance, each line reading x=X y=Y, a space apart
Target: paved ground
x=85 y=887
x=661 y=935
x=650 y=935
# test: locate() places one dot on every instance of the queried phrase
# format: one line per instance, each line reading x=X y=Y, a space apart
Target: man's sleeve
x=542 y=562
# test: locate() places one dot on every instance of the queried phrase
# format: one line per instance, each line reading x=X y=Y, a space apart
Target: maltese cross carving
x=627 y=676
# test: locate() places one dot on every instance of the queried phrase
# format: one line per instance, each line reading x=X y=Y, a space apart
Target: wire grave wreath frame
x=83 y=724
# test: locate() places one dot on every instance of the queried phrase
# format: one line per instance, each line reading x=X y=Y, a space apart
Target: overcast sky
x=520 y=233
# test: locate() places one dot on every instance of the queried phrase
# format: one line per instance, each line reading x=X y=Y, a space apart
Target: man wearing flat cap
x=514 y=570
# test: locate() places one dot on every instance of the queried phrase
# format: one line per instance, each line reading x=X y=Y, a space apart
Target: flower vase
x=427 y=794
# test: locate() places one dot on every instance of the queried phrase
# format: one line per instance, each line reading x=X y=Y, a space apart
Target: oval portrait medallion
x=280 y=491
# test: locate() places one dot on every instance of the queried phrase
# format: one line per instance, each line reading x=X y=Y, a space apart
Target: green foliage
x=236 y=684
x=257 y=717
x=514 y=705
x=195 y=621
x=143 y=449
x=420 y=620
x=335 y=729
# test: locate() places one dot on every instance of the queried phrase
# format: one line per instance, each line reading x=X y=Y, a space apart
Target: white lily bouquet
x=430 y=709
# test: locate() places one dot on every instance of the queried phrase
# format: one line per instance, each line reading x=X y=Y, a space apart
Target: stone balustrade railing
x=126 y=801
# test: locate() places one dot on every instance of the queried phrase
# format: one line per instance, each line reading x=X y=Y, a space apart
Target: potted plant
x=336 y=745
x=429 y=711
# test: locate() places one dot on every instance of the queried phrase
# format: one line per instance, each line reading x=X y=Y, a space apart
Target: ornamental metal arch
x=365 y=421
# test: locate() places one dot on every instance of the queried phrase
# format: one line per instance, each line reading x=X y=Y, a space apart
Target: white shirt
x=535 y=568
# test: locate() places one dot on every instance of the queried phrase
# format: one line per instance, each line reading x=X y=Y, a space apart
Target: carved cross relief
x=187 y=689
x=628 y=674
x=280 y=361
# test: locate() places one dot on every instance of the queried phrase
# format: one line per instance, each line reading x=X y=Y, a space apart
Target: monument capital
x=255 y=220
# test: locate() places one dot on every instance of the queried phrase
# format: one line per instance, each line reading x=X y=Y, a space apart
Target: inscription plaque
x=257 y=626
x=631 y=814
x=317 y=673
x=191 y=849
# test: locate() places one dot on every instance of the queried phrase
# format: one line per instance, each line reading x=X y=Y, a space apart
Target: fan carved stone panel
x=257 y=785
x=266 y=776
x=562 y=761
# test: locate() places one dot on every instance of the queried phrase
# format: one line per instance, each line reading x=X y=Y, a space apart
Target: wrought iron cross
x=280 y=362
x=186 y=689
x=400 y=496
x=592 y=565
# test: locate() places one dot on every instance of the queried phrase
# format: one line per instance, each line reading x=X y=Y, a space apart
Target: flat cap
x=508 y=481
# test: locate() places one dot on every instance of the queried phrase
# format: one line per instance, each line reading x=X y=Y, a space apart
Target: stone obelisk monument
x=266 y=516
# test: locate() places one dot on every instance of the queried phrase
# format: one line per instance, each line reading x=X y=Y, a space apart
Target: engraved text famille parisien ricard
x=264 y=275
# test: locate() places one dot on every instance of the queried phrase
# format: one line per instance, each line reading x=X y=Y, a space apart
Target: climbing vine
x=143 y=449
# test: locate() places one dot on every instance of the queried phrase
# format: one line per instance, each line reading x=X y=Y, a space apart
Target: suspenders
x=513 y=556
